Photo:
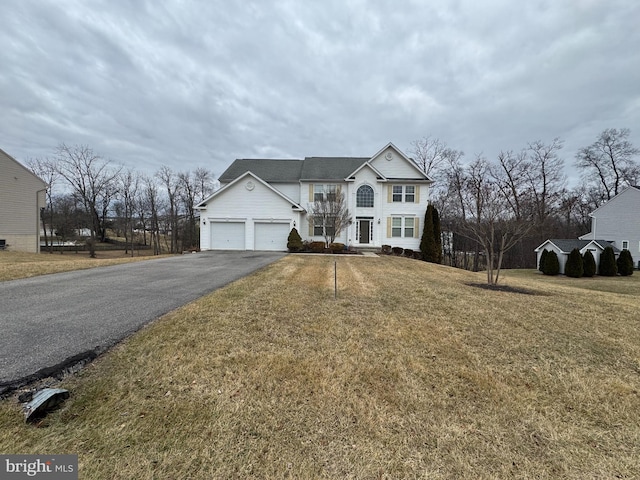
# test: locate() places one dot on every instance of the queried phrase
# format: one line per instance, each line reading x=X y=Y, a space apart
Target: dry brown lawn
x=410 y=373
x=14 y=265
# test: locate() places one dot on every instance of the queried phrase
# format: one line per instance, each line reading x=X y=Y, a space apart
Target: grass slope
x=15 y=265
x=410 y=373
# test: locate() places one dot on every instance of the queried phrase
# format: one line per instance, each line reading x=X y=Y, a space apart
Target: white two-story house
x=261 y=200
x=617 y=222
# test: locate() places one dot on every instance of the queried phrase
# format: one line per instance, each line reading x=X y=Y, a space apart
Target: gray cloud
x=190 y=84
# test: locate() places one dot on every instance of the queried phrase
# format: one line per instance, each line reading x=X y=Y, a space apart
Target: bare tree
x=492 y=220
x=546 y=176
x=172 y=185
x=129 y=183
x=510 y=176
x=92 y=179
x=331 y=213
x=205 y=181
x=431 y=154
x=609 y=163
x=152 y=202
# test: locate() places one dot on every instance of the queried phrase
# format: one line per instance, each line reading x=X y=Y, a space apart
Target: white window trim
x=623 y=245
x=403 y=226
x=403 y=193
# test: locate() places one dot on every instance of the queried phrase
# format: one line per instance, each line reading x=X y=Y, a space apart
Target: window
x=402 y=227
x=625 y=244
x=330 y=192
x=408 y=227
x=320 y=229
x=364 y=196
x=409 y=193
x=397 y=193
x=403 y=193
x=396 y=227
x=324 y=192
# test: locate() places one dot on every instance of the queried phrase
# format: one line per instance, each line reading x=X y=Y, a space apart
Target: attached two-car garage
x=248 y=235
x=262 y=217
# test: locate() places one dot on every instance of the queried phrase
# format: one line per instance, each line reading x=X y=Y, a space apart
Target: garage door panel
x=228 y=235
x=271 y=236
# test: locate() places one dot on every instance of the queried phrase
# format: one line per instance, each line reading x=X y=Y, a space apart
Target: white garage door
x=227 y=236
x=271 y=236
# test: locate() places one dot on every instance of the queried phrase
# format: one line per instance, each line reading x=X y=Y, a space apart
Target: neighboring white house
x=22 y=194
x=618 y=222
x=261 y=200
x=563 y=247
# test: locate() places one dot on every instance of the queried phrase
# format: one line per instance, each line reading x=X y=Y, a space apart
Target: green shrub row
x=585 y=265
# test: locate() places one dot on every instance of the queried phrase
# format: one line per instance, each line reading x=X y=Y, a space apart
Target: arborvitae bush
x=608 y=267
x=294 y=242
x=551 y=264
x=428 y=246
x=588 y=264
x=543 y=257
x=625 y=263
x=573 y=267
x=437 y=234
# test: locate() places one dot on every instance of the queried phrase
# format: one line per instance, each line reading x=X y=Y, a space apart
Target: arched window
x=364 y=196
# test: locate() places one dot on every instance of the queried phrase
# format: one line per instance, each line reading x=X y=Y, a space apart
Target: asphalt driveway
x=51 y=322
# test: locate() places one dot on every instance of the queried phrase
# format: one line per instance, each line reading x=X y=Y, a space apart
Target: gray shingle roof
x=311 y=168
x=267 y=169
x=330 y=168
x=568 y=244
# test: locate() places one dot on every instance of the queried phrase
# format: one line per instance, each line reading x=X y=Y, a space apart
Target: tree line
x=85 y=191
x=494 y=213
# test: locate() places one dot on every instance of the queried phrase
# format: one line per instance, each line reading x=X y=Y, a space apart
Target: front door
x=364 y=227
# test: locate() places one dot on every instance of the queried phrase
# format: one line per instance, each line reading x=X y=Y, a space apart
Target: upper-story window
x=364 y=196
x=324 y=192
x=403 y=193
x=410 y=193
x=625 y=244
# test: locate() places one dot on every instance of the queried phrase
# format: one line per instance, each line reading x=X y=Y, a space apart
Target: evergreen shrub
x=294 y=241
x=543 y=257
x=625 y=263
x=608 y=267
x=574 y=267
x=551 y=264
x=588 y=264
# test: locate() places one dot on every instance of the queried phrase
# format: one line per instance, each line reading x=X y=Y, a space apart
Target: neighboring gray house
x=618 y=222
x=22 y=194
x=563 y=247
x=261 y=200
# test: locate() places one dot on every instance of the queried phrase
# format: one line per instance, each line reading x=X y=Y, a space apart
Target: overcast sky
x=200 y=83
